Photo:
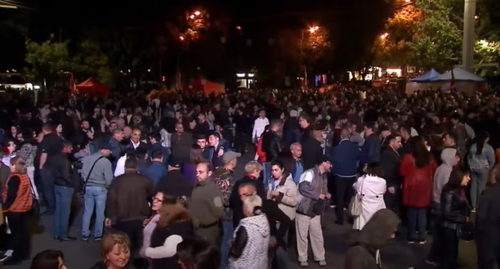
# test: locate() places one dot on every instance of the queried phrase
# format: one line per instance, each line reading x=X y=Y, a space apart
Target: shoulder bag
x=355 y=207
x=465 y=231
x=84 y=183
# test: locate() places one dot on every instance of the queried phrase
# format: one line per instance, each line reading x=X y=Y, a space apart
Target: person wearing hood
x=365 y=244
x=249 y=249
x=449 y=158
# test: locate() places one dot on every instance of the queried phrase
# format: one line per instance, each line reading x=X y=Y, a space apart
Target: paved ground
x=397 y=255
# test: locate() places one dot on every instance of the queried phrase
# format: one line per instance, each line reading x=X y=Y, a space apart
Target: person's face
x=178 y=115
x=262 y=114
x=192 y=125
x=276 y=171
x=127 y=131
x=327 y=166
x=245 y=192
x=202 y=143
x=396 y=143
x=303 y=123
x=202 y=172
x=179 y=128
x=106 y=152
x=157 y=201
x=11 y=147
x=395 y=126
x=386 y=133
x=61 y=264
x=448 y=141
x=13 y=129
x=118 y=256
x=296 y=151
x=112 y=126
x=465 y=180
x=201 y=117
x=68 y=149
x=213 y=140
x=19 y=137
x=85 y=125
x=59 y=129
x=136 y=135
x=119 y=136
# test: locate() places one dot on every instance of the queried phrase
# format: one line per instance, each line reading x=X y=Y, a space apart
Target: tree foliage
x=487 y=52
x=391 y=48
x=91 y=61
x=46 y=61
x=437 y=40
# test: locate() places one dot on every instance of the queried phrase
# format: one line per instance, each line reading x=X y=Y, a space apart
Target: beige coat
x=289 y=200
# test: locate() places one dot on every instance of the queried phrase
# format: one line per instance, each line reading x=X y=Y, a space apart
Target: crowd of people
x=156 y=184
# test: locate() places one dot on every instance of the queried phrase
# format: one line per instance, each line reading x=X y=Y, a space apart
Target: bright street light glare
x=408 y=1
x=8 y=6
x=383 y=36
x=191 y=17
x=181 y=38
x=197 y=13
x=313 y=29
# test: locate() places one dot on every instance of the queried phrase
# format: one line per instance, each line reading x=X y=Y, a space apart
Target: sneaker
x=98 y=238
x=322 y=263
x=304 y=264
x=85 y=238
x=411 y=242
x=432 y=262
x=422 y=242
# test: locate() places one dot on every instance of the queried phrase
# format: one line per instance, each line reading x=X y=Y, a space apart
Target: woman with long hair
x=417 y=169
x=150 y=223
x=27 y=153
x=370 y=189
x=455 y=211
x=481 y=159
x=196 y=253
x=8 y=149
x=17 y=201
x=48 y=259
x=172 y=227
x=195 y=157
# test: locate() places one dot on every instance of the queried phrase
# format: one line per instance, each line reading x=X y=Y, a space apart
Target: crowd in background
x=158 y=174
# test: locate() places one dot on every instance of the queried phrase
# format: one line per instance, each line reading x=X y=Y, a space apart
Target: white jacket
x=259 y=126
x=255 y=254
x=289 y=200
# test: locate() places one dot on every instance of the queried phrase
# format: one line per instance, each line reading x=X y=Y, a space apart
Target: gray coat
x=311 y=185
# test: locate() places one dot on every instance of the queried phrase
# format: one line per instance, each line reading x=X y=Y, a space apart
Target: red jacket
x=260 y=152
x=417 y=182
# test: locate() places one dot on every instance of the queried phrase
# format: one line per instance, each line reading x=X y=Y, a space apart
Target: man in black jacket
x=64 y=184
x=175 y=184
x=271 y=144
x=390 y=161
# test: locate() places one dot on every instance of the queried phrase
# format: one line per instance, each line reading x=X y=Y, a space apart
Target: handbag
x=355 y=207
x=84 y=185
x=465 y=231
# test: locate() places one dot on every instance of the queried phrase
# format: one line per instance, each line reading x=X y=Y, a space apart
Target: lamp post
x=311 y=30
x=469 y=34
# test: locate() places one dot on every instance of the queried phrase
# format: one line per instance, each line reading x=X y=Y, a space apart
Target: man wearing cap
x=224 y=178
x=312 y=197
x=97 y=174
x=175 y=184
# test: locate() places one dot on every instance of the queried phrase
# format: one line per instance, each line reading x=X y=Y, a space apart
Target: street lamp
x=384 y=35
x=197 y=13
x=313 y=29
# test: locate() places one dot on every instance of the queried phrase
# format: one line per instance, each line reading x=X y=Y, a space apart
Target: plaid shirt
x=225 y=180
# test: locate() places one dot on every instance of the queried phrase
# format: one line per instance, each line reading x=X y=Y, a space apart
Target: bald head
x=344 y=134
x=203 y=171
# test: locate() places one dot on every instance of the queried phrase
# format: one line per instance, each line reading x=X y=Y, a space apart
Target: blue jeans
x=94 y=196
x=479 y=178
x=64 y=196
x=417 y=222
x=227 y=235
x=266 y=173
x=47 y=182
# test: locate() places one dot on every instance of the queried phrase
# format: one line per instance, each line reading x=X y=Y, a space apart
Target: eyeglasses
x=157 y=200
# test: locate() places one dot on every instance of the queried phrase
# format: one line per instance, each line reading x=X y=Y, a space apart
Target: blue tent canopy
x=426 y=77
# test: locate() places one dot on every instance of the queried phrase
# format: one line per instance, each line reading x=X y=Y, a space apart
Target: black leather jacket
x=271 y=144
x=454 y=208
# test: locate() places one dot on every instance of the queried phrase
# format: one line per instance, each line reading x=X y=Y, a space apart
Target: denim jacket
x=484 y=160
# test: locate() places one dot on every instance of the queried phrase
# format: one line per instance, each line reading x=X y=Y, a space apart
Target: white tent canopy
x=458 y=74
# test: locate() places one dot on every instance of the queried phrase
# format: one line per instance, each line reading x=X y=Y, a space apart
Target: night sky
x=352 y=23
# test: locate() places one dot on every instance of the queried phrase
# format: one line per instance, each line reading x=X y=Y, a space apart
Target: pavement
x=396 y=255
